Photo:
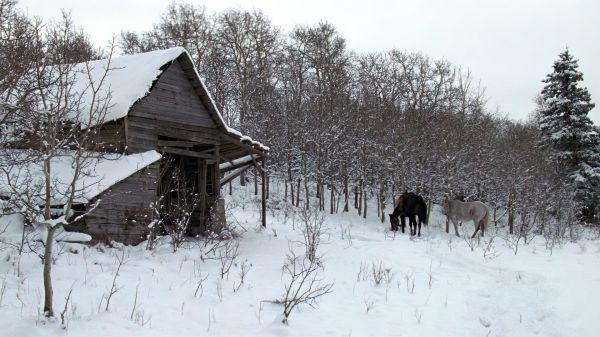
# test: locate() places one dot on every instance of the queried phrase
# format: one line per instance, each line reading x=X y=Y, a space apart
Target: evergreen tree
x=568 y=133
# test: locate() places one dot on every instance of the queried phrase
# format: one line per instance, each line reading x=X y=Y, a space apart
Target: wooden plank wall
x=110 y=137
x=123 y=211
x=171 y=109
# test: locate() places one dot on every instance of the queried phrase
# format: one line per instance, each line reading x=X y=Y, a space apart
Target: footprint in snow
x=485 y=322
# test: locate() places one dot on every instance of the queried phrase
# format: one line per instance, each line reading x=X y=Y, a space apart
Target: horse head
x=394 y=222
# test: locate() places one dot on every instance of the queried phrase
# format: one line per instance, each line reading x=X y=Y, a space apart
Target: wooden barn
x=162 y=123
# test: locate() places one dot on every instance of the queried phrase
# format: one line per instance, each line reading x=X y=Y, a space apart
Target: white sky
x=509 y=45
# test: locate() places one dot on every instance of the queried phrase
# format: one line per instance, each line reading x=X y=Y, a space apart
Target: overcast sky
x=509 y=45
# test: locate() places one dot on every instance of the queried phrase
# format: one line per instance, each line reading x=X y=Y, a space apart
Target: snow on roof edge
x=153 y=155
x=106 y=172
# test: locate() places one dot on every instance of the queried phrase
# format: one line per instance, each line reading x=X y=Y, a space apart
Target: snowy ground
x=436 y=286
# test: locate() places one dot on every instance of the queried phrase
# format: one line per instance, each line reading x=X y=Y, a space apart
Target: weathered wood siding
x=123 y=211
x=110 y=137
x=171 y=109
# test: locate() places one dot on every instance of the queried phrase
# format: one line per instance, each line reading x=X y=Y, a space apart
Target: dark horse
x=409 y=205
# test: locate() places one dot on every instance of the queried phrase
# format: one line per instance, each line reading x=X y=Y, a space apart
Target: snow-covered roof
x=98 y=174
x=131 y=77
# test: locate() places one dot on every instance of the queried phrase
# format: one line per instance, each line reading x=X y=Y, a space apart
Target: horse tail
x=486 y=216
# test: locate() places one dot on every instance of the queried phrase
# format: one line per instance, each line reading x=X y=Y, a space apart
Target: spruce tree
x=568 y=133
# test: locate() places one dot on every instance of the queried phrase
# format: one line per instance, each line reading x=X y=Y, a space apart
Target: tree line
x=363 y=125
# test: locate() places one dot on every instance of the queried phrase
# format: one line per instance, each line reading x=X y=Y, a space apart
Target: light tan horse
x=476 y=211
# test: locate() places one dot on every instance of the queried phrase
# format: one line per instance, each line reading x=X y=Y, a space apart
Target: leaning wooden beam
x=233 y=175
x=225 y=159
x=237 y=162
x=231 y=168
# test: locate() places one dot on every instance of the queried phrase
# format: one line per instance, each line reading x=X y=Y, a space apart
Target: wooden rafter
x=245 y=146
x=188 y=153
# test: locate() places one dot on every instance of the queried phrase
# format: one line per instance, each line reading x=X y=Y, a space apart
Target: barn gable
x=159 y=95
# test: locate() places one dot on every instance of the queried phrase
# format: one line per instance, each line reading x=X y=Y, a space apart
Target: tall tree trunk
x=382 y=201
x=337 y=203
x=307 y=194
x=332 y=199
x=318 y=189
x=263 y=192
x=322 y=199
x=48 y=290
x=318 y=199
x=378 y=206
x=346 y=192
x=429 y=205
x=360 y=197
x=511 y=210
x=290 y=179
x=298 y=193
x=364 y=193
x=355 y=197
x=495 y=216
x=292 y=192
x=47 y=274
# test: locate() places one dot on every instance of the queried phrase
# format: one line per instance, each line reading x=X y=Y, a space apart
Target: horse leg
x=419 y=234
x=482 y=226
x=414 y=225
x=403 y=220
x=455 y=227
x=477 y=225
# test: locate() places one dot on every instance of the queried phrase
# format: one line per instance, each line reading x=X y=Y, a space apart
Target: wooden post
x=264 y=193
x=126 y=134
x=202 y=168
x=217 y=174
x=269 y=185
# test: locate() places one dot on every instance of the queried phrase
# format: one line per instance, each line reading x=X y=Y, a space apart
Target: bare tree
x=55 y=131
x=304 y=283
x=178 y=207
